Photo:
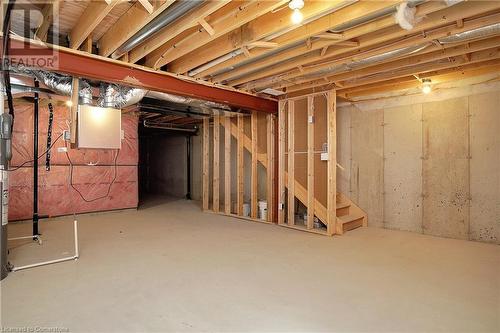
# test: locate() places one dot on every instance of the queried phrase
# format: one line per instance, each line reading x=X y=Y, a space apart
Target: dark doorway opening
x=164 y=165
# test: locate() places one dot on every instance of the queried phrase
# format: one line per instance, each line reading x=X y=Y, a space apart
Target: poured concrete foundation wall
x=427 y=165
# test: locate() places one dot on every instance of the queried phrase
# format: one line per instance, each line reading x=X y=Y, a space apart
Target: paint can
x=246 y=209
x=262 y=209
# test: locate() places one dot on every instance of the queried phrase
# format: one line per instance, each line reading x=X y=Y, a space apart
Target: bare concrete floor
x=169 y=267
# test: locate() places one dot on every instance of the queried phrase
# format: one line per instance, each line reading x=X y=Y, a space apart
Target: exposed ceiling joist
x=298 y=34
x=393 y=46
x=49 y=10
x=127 y=26
x=170 y=32
x=435 y=19
x=304 y=54
x=441 y=76
x=409 y=61
x=258 y=29
x=95 y=12
x=248 y=12
x=147 y=5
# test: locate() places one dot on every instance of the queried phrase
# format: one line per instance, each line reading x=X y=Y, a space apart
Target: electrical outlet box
x=281 y=206
x=310 y=119
x=62 y=149
x=67 y=135
x=324 y=156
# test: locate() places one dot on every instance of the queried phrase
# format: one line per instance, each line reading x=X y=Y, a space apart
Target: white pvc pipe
x=43 y=263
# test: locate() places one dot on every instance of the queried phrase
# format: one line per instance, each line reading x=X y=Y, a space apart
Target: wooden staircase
x=349 y=215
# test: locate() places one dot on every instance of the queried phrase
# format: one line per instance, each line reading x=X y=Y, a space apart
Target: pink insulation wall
x=56 y=197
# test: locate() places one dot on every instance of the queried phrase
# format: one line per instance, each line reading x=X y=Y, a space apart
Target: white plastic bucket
x=262 y=209
x=246 y=209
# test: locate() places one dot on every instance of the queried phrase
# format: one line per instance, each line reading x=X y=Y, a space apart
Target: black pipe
x=188 y=149
x=35 y=163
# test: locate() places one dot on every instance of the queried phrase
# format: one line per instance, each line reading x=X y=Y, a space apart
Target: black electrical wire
x=5 y=54
x=45 y=152
x=80 y=193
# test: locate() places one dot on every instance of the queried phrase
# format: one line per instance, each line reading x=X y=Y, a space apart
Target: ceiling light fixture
x=426 y=86
x=296 y=6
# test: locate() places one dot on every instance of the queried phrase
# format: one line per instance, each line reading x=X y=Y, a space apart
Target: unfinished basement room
x=250 y=166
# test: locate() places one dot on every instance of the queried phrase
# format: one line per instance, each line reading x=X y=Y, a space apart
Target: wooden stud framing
x=74 y=109
x=291 y=163
x=227 y=165
x=281 y=161
x=216 y=161
x=239 y=167
x=332 y=162
x=310 y=162
x=206 y=135
x=270 y=183
x=254 y=189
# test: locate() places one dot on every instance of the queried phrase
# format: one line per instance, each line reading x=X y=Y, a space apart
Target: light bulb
x=297 y=16
x=426 y=89
x=69 y=103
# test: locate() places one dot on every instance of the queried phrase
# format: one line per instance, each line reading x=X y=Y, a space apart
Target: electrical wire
x=80 y=193
x=5 y=54
x=44 y=153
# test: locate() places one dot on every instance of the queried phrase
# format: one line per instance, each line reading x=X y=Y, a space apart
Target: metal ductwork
x=237 y=52
x=116 y=96
x=171 y=14
x=368 y=61
x=206 y=107
x=61 y=84
x=472 y=34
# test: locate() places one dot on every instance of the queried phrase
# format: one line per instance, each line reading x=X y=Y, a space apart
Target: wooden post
x=239 y=167
x=215 y=181
x=270 y=168
x=332 y=162
x=291 y=162
x=206 y=130
x=253 y=189
x=281 y=161
x=227 y=165
x=74 y=109
x=310 y=162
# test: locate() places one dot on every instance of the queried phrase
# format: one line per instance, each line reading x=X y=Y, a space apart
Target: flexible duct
x=472 y=34
x=116 y=96
x=206 y=106
x=171 y=14
x=61 y=84
x=405 y=16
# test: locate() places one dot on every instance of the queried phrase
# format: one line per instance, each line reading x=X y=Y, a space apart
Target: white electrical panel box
x=324 y=156
x=99 y=128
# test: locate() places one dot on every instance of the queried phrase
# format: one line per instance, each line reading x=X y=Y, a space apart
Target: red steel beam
x=76 y=63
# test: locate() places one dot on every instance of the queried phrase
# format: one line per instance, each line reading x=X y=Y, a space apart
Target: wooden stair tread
x=341 y=205
x=349 y=218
